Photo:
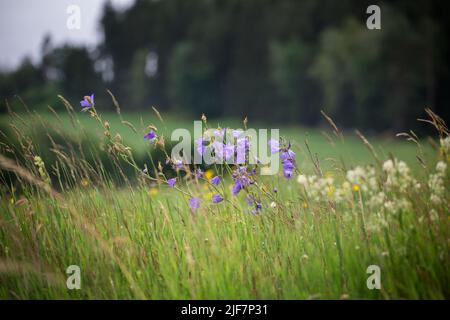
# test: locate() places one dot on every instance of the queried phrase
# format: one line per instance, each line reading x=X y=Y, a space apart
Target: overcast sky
x=23 y=24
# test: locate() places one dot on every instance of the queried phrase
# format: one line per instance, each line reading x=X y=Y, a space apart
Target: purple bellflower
x=171 y=182
x=216 y=180
x=194 y=203
x=217 y=198
x=87 y=102
x=150 y=136
x=241 y=179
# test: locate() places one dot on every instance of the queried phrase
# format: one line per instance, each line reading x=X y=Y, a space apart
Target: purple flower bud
x=87 y=102
x=288 y=168
x=241 y=179
x=217 y=198
x=287 y=155
x=236 y=188
x=288 y=165
x=216 y=180
x=150 y=136
x=171 y=182
x=257 y=208
x=194 y=203
x=288 y=174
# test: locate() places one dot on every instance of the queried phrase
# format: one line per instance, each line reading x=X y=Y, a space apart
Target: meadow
x=86 y=189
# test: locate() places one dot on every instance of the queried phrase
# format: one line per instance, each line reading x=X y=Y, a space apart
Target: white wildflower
x=377 y=200
x=389 y=205
x=433 y=215
x=436 y=183
x=388 y=165
x=441 y=167
x=302 y=180
x=435 y=199
x=445 y=144
x=403 y=168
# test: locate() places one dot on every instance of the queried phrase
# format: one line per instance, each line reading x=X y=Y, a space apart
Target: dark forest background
x=282 y=60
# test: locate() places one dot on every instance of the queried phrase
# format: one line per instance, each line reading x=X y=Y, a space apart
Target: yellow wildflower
x=330 y=191
x=84 y=182
x=355 y=187
x=153 y=191
x=209 y=174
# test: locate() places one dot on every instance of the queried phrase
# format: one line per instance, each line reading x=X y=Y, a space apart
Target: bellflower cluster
x=287 y=157
x=242 y=178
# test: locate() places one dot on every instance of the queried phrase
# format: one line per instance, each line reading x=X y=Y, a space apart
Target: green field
x=312 y=239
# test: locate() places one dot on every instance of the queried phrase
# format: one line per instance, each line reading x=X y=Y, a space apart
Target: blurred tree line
x=277 y=60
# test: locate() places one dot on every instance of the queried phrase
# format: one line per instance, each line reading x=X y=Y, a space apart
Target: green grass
x=141 y=240
x=216 y=253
